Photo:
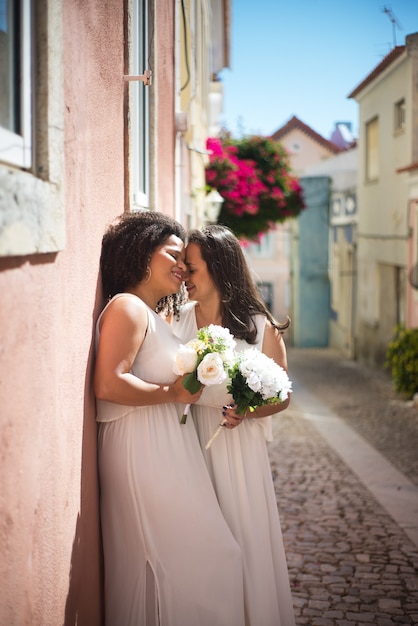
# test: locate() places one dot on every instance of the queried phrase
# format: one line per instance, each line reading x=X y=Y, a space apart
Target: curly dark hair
x=127 y=247
x=226 y=263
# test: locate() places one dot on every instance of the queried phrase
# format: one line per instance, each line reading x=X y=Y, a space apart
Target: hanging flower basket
x=253 y=176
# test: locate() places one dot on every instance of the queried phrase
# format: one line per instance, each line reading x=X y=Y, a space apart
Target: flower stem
x=215 y=434
x=185 y=414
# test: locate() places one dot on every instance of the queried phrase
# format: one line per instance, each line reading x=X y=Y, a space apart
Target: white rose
x=185 y=360
x=211 y=370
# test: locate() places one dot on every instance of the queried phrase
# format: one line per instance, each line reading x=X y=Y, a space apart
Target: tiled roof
x=389 y=58
x=296 y=123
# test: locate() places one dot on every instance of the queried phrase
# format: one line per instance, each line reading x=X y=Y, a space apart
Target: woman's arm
x=122 y=332
x=273 y=347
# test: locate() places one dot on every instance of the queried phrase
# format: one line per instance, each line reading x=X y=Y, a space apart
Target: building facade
x=92 y=123
x=275 y=261
x=388 y=154
x=341 y=170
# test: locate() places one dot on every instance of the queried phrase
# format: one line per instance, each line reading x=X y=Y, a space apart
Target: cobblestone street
x=345 y=466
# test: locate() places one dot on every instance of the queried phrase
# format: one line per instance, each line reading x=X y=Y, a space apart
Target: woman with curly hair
x=222 y=292
x=169 y=556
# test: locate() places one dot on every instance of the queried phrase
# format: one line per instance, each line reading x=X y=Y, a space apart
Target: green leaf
x=191 y=383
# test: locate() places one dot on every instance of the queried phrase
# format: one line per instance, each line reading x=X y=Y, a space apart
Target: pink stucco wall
x=49 y=525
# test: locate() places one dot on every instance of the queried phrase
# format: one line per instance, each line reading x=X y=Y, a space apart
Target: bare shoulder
x=273 y=344
x=126 y=308
x=272 y=333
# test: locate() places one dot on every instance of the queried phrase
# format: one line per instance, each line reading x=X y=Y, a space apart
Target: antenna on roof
x=394 y=21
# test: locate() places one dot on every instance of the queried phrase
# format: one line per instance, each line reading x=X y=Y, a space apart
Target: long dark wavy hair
x=240 y=299
x=127 y=247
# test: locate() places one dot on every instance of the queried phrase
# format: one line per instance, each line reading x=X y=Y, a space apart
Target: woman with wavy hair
x=169 y=557
x=223 y=292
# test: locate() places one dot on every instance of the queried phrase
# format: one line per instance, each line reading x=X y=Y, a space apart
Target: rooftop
x=388 y=60
x=296 y=123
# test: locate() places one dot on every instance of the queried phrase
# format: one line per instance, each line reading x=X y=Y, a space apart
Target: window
x=139 y=107
x=31 y=172
x=372 y=150
x=336 y=207
x=335 y=278
x=15 y=83
x=400 y=115
x=350 y=205
x=266 y=292
x=264 y=249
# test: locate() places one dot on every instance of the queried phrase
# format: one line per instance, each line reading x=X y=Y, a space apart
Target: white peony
x=285 y=385
x=222 y=336
x=264 y=376
x=185 y=360
x=270 y=386
x=253 y=381
x=211 y=370
x=227 y=356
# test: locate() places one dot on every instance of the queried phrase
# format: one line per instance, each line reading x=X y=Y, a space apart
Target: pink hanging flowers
x=253 y=176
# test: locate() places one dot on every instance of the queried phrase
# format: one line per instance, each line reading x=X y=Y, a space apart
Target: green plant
x=402 y=359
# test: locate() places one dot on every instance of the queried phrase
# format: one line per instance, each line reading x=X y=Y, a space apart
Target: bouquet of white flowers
x=255 y=381
x=205 y=359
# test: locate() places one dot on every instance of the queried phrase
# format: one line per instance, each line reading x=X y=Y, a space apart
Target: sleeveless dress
x=169 y=557
x=240 y=470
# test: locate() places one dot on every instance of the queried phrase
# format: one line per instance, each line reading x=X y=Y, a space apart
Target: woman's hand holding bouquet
x=204 y=360
x=255 y=381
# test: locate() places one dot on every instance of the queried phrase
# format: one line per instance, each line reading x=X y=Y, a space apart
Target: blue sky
x=303 y=57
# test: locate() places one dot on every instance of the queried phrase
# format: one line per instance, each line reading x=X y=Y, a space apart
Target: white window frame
x=16 y=149
x=32 y=203
x=139 y=108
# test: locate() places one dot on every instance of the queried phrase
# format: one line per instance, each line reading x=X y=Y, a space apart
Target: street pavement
x=344 y=462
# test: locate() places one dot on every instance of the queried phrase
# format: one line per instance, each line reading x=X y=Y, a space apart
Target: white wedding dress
x=240 y=470
x=169 y=556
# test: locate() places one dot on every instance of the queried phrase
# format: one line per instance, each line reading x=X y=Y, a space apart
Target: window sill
x=32 y=214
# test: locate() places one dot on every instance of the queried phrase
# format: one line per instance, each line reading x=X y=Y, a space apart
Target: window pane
x=400 y=115
x=15 y=83
x=372 y=150
x=140 y=117
x=266 y=292
x=9 y=65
